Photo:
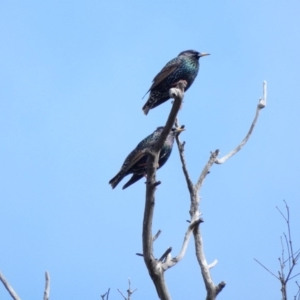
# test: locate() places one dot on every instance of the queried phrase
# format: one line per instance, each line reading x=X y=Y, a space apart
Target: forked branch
x=172 y=262
x=194 y=189
x=292 y=258
x=156 y=267
x=129 y=291
x=105 y=296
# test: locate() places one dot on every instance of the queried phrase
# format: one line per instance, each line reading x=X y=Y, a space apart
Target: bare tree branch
x=9 y=288
x=262 y=103
x=154 y=266
x=47 y=286
x=172 y=262
x=180 y=146
x=106 y=294
x=292 y=256
x=211 y=288
x=129 y=291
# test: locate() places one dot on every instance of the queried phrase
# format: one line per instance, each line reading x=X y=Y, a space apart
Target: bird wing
x=163 y=74
x=138 y=156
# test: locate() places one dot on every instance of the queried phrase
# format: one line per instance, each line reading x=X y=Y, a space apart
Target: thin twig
x=282 y=255
x=47 y=286
x=290 y=273
x=166 y=253
x=266 y=268
x=296 y=256
x=292 y=260
x=122 y=294
x=289 y=229
x=294 y=276
x=281 y=272
x=288 y=249
x=183 y=162
x=281 y=213
x=292 y=256
x=157 y=235
x=106 y=294
x=129 y=291
x=298 y=292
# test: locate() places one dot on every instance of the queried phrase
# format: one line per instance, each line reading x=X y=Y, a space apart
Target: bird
x=136 y=162
x=183 y=67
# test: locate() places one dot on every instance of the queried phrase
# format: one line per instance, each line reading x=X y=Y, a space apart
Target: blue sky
x=72 y=78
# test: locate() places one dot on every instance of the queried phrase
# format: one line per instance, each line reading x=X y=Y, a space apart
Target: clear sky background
x=72 y=78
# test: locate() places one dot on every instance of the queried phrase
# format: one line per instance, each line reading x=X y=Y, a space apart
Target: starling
x=183 y=67
x=136 y=162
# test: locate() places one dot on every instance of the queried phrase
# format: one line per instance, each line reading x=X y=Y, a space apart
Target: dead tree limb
x=194 y=189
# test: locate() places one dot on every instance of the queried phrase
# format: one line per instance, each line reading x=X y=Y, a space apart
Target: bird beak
x=203 y=54
x=179 y=129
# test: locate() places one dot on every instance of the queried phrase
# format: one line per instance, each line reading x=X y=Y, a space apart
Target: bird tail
x=148 y=105
x=116 y=180
x=146 y=108
x=134 y=178
x=155 y=99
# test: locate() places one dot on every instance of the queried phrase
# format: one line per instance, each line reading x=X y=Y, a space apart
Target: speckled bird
x=183 y=67
x=136 y=162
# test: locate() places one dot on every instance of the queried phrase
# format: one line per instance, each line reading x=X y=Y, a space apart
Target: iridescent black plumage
x=136 y=162
x=183 y=67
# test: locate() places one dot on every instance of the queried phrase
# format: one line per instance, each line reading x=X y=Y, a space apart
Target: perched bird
x=183 y=67
x=136 y=162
